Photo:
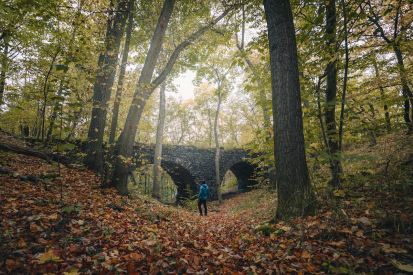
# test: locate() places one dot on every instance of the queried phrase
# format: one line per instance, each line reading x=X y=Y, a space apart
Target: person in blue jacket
x=203 y=197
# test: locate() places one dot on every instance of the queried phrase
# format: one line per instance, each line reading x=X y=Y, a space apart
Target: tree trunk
x=115 y=116
x=24 y=151
x=77 y=116
x=118 y=98
x=217 y=179
x=295 y=195
x=158 y=146
x=132 y=176
x=4 y=66
x=146 y=181
x=343 y=98
x=142 y=93
x=407 y=93
x=103 y=85
x=386 y=112
x=210 y=126
x=52 y=122
x=331 y=94
x=45 y=87
x=53 y=118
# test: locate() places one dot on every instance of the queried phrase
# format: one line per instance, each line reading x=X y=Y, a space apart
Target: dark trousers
x=199 y=206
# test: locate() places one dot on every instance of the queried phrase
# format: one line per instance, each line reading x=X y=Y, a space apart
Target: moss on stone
x=266 y=230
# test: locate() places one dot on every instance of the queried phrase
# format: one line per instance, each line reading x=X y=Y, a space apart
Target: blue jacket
x=203 y=192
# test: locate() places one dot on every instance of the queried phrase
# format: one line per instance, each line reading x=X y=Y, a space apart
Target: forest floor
x=68 y=225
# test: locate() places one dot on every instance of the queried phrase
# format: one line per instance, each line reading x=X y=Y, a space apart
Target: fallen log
x=25 y=151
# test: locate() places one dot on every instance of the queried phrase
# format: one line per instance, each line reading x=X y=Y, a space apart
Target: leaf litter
x=85 y=234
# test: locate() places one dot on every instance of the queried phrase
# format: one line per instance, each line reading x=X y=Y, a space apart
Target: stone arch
x=190 y=165
x=175 y=162
x=244 y=173
x=237 y=161
x=181 y=177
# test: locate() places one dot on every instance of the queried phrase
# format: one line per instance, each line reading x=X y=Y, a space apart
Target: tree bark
x=4 y=65
x=210 y=126
x=340 y=129
x=407 y=93
x=45 y=86
x=52 y=122
x=295 y=195
x=115 y=116
x=217 y=151
x=118 y=98
x=103 y=85
x=331 y=94
x=386 y=112
x=24 y=151
x=157 y=180
x=77 y=116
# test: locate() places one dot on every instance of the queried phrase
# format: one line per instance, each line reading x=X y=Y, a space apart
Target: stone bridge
x=190 y=165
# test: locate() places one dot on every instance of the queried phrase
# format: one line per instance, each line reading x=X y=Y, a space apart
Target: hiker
x=203 y=197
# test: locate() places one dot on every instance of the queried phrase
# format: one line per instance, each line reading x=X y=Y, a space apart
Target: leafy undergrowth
x=70 y=226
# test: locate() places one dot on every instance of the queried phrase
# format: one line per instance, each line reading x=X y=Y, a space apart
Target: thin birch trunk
x=157 y=180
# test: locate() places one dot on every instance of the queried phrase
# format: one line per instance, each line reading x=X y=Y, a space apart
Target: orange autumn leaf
x=11 y=265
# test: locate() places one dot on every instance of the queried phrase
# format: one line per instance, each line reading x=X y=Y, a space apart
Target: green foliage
x=232 y=182
x=191 y=201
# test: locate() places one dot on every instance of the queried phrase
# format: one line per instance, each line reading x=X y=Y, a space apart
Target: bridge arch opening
x=177 y=182
x=244 y=174
x=141 y=182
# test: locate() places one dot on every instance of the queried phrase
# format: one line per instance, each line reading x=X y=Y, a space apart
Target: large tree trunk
x=157 y=180
x=126 y=140
x=331 y=94
x=103 y=85
x=116 y=106
x=295 y=195
x=217 y=179
x=118 y=95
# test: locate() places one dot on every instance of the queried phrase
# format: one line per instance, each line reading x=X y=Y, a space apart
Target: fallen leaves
x=50 y=255
x=83 y=234
x=404 y=267
x=388 y=249
x=11 y=265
